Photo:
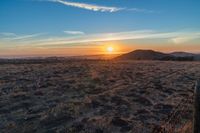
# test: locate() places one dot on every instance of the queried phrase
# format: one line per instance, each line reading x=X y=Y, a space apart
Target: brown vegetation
x=93 y=96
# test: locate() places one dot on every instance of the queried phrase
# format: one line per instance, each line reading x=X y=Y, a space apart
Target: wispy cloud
x=140 y=10
x=7 y=34
x=74 y=32
x=184 y=38
x=27 y=36
x=100 y=8
x=15 y=37
x=36 y=40
x=179 y=40
x=117 y=36
x=88 y=6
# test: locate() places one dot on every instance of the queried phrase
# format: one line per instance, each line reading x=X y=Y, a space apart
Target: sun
x=110 y=49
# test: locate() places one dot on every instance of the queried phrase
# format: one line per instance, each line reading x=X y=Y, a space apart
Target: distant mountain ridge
x=196 y=57
x=156 y=55
x=182 y=54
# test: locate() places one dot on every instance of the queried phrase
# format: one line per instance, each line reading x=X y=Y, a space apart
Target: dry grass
x=93 y=96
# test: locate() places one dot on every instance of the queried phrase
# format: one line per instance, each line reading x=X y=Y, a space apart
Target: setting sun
x=110 y=49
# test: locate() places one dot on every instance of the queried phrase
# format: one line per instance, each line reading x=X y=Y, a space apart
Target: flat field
x=89 y=96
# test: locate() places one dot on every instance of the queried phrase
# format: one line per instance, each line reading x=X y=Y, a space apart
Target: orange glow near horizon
x=108 y=48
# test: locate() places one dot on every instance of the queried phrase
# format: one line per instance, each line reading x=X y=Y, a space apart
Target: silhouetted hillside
x=145 y=55
x=195 y=57
x=155 y=55
x=182 y=54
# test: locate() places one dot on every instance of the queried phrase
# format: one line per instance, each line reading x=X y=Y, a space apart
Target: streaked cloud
x=100 y=8
x=117 y=36
x=184 y=38
x=74 y=32
x=140 y=10
x=37 y=40
x=14 y=38
x=179 y=40
x=88 y=6
x=27 y=36
x=7 y=34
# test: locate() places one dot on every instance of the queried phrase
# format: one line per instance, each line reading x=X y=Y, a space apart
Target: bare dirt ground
x=92 y=96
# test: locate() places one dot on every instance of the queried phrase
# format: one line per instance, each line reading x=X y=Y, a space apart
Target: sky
x=84 y=27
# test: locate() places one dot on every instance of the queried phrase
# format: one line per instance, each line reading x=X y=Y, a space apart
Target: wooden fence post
x=196 y=116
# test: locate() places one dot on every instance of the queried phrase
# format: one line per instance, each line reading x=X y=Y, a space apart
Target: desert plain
x=93 y=96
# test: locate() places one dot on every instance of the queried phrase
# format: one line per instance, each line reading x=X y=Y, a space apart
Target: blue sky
x=28 y=21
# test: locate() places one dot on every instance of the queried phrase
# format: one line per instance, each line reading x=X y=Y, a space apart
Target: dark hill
x=182 y=54
x=195 y=57
x=145 y=55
